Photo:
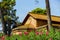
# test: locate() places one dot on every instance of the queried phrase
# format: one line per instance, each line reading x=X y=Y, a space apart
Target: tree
x=39 y=11
x=48 y=14
x=8 y=15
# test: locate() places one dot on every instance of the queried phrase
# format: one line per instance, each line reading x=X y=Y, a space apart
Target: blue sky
x=25 y=6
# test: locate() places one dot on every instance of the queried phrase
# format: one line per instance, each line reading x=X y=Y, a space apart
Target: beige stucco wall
x=31 y=21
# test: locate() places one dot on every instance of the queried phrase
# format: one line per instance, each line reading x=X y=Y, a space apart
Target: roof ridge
x=44 y=14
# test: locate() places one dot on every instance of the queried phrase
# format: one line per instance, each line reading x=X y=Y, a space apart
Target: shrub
x=37 y=35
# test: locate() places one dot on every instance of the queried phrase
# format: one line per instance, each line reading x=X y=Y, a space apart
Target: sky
x=25 y=6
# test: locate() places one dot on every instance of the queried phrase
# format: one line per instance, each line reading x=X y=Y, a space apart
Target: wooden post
x=48 y=14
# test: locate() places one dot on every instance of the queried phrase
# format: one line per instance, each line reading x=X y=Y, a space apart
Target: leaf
x=39 y=11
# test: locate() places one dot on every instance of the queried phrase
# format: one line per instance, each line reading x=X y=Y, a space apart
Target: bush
x=1 y=34
x=38 y=35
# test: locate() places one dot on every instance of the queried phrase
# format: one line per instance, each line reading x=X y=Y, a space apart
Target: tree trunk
x=9 y=27
x=48 y=14
x=3 y=22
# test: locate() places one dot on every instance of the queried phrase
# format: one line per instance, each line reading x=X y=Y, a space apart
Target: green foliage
x=13 y=37
x=7 y=4
x=39 y=11
x=1 y=34
x=33 y=36
x=8 y=14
